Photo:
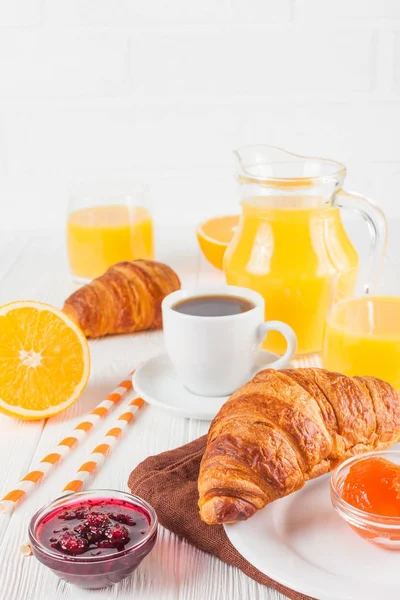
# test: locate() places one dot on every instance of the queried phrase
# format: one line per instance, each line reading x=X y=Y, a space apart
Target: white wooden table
x=34 y=266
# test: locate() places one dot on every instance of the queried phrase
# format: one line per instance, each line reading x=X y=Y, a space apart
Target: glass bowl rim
x=106 y=494
x=359 y=516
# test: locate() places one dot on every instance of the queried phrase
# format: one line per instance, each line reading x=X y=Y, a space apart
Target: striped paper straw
x=97 y=457
x=50 y=461
x=100 y=453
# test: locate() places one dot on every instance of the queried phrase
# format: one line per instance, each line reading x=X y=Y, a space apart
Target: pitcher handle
x=377 y=226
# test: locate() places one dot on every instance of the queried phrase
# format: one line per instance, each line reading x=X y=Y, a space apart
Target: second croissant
x=127 y=298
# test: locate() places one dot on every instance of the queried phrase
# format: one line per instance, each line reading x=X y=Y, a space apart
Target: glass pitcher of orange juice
x=291 y=242
x=107 y=223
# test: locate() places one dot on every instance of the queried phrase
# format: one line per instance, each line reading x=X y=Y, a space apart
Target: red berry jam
x=91 y=540
x=93 y=527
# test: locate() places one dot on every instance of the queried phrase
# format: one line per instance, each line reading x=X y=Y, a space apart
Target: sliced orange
x=214 y=237
x=44 y=360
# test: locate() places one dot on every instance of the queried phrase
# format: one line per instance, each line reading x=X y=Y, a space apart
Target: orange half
x=44 y=360
x=214 y=237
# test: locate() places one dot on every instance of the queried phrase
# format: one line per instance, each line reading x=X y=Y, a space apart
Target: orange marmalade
x=373 y=485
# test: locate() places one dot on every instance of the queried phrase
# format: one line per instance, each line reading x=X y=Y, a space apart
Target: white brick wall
x=142 y=13
x=20 y=13
x=164 y=90
x=351 y=10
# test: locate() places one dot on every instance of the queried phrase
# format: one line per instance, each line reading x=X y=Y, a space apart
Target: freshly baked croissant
x=285 y=427
x=125 y=299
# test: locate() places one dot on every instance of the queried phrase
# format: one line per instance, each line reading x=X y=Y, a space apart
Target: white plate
x=156 y=382
x=301 y=542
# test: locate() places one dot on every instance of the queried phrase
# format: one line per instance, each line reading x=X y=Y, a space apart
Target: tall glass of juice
x=107 y=223
x=362 y=332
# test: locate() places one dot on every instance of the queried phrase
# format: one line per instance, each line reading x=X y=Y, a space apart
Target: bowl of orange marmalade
x=365 y=491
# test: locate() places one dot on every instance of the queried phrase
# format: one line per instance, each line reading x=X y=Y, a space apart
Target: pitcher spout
x=264 y=163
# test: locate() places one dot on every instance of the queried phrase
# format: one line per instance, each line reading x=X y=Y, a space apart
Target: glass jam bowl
x=380 y=530
x=112 y=542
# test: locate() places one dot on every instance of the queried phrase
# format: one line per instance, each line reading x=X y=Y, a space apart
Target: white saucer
x=156 y=382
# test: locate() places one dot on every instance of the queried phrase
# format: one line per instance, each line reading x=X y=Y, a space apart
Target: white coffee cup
x=213 y=356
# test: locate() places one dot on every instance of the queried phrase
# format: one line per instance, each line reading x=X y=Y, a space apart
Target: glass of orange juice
x=107 y=223
x=362 y=332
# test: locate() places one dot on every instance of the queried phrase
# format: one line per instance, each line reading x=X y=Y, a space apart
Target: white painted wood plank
x=11 y=247
x=18 y=439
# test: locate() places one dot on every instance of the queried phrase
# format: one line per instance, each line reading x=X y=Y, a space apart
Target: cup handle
x=288 y=334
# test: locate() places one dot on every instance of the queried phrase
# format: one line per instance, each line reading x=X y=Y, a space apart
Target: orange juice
x=362 y=337
x=290 y=256
x=101 y=236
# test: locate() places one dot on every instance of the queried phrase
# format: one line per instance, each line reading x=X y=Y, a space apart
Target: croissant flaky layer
x=285 y=427
x=125 y=299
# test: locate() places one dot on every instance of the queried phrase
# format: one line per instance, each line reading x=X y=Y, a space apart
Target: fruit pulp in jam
x=373 y=485
x=95 y=528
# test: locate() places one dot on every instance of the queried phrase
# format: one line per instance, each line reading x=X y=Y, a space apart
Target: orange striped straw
x=50 y=461
x=100 y=453
x=87 y=470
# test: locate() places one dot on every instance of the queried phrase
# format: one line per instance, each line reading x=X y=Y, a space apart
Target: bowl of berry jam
x=93 y=539
x=365 y=492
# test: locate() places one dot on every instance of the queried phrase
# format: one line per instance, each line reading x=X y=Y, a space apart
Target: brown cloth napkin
x=168 y=482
